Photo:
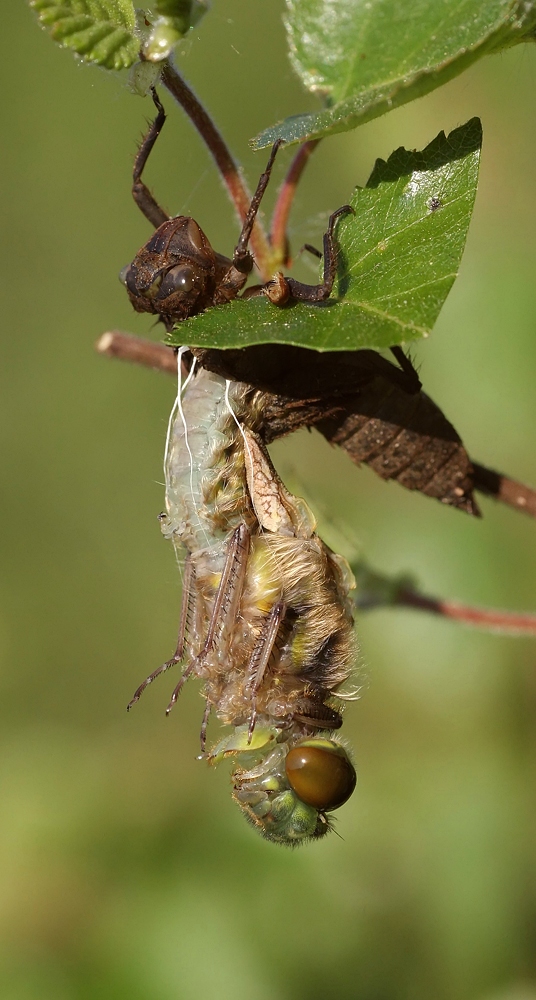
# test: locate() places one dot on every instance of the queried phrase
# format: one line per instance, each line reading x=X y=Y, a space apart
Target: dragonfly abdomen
x=206 y=498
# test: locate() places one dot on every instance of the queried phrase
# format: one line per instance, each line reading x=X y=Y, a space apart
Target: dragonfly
x=266 y=620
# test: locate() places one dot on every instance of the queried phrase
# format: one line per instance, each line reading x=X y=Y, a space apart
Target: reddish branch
x=228 y=168
x=278 y=231
x=271 y=253
x=507 y=622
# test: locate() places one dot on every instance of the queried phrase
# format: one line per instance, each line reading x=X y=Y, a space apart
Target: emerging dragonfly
x=266 y=620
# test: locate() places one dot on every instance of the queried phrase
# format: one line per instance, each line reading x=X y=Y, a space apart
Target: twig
x=228 y=168
x=376 y=590
x=507 y=490
x=278 y=231
x=489 y=619
x=127 y=347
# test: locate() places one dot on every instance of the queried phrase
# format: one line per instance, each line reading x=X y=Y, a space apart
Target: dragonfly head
x=174 y=273
x=288 y=787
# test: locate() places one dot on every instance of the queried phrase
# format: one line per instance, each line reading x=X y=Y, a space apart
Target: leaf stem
x=488 y=619
x=227 y=166
x=508 y=491
x=278 y=231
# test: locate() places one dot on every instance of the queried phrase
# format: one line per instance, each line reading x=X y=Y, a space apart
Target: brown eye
x=179 y=279
x=320 y=773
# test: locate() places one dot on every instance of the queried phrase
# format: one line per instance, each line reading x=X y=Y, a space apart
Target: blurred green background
x=126 y=872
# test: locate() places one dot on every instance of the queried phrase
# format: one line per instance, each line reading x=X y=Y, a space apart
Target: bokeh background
x=125 y=871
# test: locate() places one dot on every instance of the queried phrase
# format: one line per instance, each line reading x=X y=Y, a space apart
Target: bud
x=174 y=20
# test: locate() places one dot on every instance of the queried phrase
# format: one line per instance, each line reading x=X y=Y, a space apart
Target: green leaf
x=367 y=58
x=398 y=257
x=99 y=31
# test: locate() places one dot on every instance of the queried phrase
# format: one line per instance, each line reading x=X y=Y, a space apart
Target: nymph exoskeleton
x=385 y=420
x=266 y=620
x=177 y=273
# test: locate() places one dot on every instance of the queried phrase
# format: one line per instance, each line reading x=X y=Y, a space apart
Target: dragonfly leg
x=226 y=603
x=242 y=258
x=319 y=716
x=310 y=249
x=204 y=724
x=229 y=589
x=261 y=656
x=178 y=688
x=414 y=384
x=140 y=192
x=187 y=610
x=280 y=289
x=235 y=278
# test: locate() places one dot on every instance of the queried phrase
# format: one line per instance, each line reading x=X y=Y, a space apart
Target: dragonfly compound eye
x=123 y=274
x=179 y=279
x=140 y=285
x=320 y=773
